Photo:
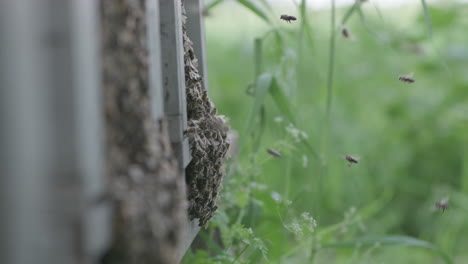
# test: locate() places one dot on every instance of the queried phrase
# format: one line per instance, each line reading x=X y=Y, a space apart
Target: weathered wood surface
x=154 y=49
x=55 y=104
x=196 y=33
x=51 y=152
x=175 y=106
x=146 y=182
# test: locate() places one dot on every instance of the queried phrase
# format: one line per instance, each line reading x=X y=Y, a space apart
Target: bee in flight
x=274 y=153
x=351 y=159
x=288 y=18
x=346 y=34
x=407 y=78
x=442 y=204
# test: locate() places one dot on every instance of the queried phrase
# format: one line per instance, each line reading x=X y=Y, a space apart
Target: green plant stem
x=326 y=135
x=428 y=21
x=331 y=63
x=240 y=254
x=258 y=135
x=287 y=183
x=300 y=46
x=464 y=140
x=427 y=18
x=349 y=12
x=258 y=56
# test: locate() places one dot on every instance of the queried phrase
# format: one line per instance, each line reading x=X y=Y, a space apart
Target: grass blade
x=305 y=25
x=464 y=174
x=379 y=13
x=427 y=18
x=254 y=8
x=311 y=150
x=362 y=214
x=259 y=132
x=350 y=11
x=258 y=56
x=390 y=241
x=267 y=84
x=367 y=27
x=261 y=91
x=331 y=62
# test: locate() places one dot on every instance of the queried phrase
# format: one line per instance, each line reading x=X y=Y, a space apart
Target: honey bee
x=190 y=131
x=407 y=78
x=345 y=33
x=274 y=153
x=442 y=204
x=351 y=159
x=288 y=18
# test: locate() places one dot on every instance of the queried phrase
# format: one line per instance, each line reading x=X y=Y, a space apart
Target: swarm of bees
x=442 y=205
x=274 y=153
x=288 y=18
x=408 y=78
x=351 y=160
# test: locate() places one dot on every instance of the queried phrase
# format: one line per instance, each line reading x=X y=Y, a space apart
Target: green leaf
x=390 y=241
x=254 y=8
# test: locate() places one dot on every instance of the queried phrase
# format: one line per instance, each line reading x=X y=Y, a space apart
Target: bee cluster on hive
x=207 y=133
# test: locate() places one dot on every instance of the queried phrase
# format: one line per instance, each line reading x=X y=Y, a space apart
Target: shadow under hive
x=207 y=134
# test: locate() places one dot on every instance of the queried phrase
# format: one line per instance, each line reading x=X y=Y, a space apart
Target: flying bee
x=274 y=153
x=345 y=33
x=287 y=18
x=407 y=78
x=351 y=160
x=442 y=204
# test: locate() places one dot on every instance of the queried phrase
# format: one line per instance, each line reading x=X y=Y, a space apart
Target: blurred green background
x=309 y=206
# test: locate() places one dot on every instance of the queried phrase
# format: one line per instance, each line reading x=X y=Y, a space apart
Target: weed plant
x=302 y=96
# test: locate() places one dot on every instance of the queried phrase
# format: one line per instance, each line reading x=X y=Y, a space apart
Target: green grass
x=412 y=138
